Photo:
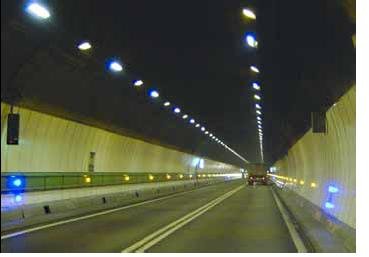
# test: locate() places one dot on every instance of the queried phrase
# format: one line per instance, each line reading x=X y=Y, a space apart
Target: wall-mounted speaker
x=12 y=135
x=318 y=122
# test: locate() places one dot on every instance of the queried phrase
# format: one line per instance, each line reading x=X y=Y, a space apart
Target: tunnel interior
x=176 y=111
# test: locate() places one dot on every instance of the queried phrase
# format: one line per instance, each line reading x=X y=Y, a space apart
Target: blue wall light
x=15 y=182
x=329 y=205
x=18 y=198
x=332 y=194
x=332 y=189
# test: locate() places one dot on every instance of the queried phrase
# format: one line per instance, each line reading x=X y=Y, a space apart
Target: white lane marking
x=173 y=229
x=162 y=233
x=300 y=246
x=22 y=232
x=153 y=235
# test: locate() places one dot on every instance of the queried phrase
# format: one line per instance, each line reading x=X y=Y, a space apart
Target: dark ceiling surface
x=190 y=51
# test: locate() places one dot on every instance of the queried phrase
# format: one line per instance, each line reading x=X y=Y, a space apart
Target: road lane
x=114 y=231
x=248 y=221
x=159 y=235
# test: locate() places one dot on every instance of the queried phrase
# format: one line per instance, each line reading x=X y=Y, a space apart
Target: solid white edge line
x=25 y=231
x=299 y=244
x=160 y=234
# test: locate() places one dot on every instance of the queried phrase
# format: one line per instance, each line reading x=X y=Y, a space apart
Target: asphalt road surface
x=228 y=217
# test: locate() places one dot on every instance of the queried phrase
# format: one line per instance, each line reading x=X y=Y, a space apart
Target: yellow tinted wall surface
x=52 y=144
x=328 y=160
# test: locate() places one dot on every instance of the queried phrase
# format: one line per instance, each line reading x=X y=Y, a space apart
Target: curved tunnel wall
x=327 y=160
x=52 y=144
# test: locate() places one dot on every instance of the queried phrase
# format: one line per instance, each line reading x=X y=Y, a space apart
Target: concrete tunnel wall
x=52 y=144
x=327 y=160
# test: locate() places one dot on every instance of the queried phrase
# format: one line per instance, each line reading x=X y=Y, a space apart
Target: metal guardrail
x=38 y=181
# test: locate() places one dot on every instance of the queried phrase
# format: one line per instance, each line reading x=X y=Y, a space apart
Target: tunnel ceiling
x=190 y=51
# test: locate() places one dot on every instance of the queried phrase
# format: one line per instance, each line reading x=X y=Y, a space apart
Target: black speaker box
x=318 y=122
x=12 y=136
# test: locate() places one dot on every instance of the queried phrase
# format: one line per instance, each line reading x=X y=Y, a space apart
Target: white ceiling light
x=38 y=11
x=154 y=94
x=115 y=66
x=255 y=86
x=138 y=83
x=257 y=97
x=251 y=41
x=248 y=13
x=254 y=69
x=84 y=46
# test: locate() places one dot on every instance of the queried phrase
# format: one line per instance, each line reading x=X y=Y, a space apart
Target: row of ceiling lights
x=252 y=42
x=41 y=12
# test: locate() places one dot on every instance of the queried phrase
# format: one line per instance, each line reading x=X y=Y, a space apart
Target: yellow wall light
x=126 y=178
x=302 y=182
x=87 y=179
x=313 y=185
x=168 y=176
x=180 y=176
x=151 y=177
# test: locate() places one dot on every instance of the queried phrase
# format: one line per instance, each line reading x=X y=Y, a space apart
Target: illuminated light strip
x=278 y=176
